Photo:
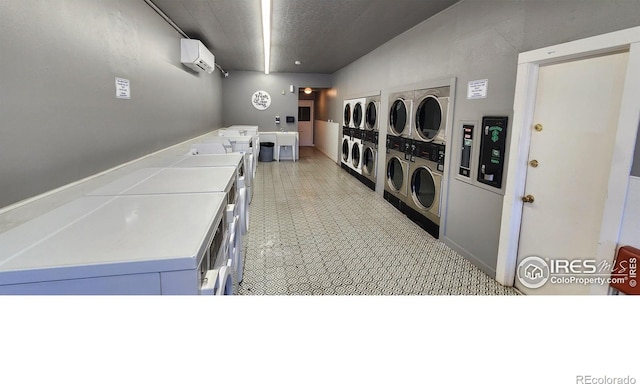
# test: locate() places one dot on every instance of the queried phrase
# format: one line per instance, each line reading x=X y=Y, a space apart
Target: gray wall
x=319 y=97
x=240 y=85
x=60 y=120
x=476 y=40
x=324 y=100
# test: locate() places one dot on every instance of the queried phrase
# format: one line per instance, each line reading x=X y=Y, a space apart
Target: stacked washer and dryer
x=398 y=137
x=357 y=121
x=347 y=137
x=416 y=149
x=360 y=138
x=370 y=142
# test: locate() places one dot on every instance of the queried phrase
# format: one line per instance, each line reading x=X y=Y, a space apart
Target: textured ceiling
x=325 y=35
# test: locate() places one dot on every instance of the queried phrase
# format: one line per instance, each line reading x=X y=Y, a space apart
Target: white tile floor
x=316 y=230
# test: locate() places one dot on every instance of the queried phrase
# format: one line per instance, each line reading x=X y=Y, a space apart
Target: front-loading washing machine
x=358 y=117
x=430 y=117
x=369 y=158
x=345 y=149
x=397 y=172
x=425 y=185
x=401 y=113
x=346 y=114
x=356 y=151
x=372 y=113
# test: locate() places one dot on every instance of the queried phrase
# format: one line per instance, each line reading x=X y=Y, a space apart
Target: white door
x=305 y=122
x=570 y=156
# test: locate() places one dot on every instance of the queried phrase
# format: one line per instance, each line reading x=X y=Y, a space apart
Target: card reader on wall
x=492 y=149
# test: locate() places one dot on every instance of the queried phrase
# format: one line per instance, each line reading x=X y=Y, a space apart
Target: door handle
x=527 y=199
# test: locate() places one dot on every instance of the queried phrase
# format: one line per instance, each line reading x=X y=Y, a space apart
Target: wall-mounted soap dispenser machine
x=492 y=148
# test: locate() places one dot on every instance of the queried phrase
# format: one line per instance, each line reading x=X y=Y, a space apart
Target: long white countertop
x=214 y=160
x=170 y=180
x=105 y=235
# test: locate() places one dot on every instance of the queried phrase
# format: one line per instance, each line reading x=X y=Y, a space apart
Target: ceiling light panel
x=266 y=33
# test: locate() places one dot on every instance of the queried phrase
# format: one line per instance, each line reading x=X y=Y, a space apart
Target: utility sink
x=286 y=139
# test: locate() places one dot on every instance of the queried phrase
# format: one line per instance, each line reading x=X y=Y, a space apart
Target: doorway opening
x=312 y=106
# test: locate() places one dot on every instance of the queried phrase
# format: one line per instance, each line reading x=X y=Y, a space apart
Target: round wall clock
x=261 y=100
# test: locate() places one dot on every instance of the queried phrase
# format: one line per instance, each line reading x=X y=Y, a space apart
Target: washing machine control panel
x=395 y=143
x=428 y=151
x=370 y=137
x=441 y=154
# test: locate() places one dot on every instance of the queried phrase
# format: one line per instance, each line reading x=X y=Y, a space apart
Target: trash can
x=266 y=151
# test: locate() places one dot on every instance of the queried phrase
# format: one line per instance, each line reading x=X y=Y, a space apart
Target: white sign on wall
x=477 y=89
x=261 y=100
x=123 y=88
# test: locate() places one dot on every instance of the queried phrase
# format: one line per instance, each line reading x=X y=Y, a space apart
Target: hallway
x=316 y=230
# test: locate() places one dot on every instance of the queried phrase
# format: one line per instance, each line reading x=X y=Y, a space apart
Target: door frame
x=313 y=128
x=523 y=109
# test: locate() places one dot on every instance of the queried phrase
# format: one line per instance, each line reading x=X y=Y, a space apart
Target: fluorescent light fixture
x=266 y=33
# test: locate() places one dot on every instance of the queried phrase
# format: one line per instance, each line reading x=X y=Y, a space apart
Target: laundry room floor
x=316 y=230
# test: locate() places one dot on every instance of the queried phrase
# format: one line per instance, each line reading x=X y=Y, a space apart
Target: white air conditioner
x=196 y=56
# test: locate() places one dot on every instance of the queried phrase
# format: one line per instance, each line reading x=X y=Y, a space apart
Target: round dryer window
x=368 y=162
x=357 y=115
x=423 y=187
x=398 y=116
x=347 y=114
x=428 y=118
x=394 y=173
x=371 y=115
x=355 y=155
x=345 y=150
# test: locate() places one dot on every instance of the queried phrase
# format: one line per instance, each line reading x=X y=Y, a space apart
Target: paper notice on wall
x=477 y=89
x=123 y=88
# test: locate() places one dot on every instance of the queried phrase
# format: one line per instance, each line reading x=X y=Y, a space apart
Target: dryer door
x=345 y=149
x=398 y=117
x=395 y=174
x=423 y=187
x=369 y=162
x=371 y=115
x=429 y=119
x=347 y=115
x=357 y=115
x=355 y=155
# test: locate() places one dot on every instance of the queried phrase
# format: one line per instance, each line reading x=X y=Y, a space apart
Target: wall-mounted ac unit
x=196 y=56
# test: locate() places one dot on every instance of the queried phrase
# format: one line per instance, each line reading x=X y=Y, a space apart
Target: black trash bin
x=266 y=151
